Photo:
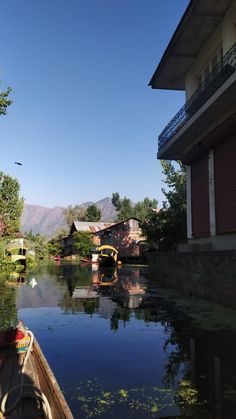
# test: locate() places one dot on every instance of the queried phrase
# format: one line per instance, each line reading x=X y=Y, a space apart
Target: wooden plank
x=16 y=380
x=31 y=405
x=10 y=377
x=6 y=375
x=50 y=387
x=37 y=373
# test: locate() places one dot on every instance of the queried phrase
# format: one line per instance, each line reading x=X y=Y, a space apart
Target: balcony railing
x=220 y=73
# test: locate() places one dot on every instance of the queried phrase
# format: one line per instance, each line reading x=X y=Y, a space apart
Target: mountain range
x=47 y=221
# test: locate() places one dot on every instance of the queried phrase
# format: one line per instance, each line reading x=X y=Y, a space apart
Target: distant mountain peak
x=46 y=221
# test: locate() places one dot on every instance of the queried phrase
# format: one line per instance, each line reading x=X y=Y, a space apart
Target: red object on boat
x=17 y=337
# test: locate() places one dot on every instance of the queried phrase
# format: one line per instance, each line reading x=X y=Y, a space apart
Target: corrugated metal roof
x=120 y=222
x=93 y=227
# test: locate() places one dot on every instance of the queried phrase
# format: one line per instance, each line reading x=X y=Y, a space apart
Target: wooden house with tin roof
x=90 y=226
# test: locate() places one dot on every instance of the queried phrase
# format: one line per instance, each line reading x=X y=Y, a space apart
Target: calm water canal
x=122 y=347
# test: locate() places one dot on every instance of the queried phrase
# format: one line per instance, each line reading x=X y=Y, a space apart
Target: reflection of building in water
x=107 y=288
x=84 y=292
x=106 y=307
x=129 y=289
x=133 y=301
x=208 y=373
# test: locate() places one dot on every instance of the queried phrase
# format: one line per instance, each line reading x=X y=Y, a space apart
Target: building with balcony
x=201 y=60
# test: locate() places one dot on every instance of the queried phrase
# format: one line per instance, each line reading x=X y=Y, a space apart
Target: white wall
x=225 y=36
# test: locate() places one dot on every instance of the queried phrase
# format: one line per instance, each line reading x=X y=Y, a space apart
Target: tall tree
x=144 y=209
x=116 y=201
x=93 y=213
x=76 y=213
x=82 y=242
x=37 y=243
x=124 y=207
x=11 y=204
x=168 y=227
x=4 y=101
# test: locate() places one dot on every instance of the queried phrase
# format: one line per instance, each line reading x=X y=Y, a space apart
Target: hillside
x=46 y=221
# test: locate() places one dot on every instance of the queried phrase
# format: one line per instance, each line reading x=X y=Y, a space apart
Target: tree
x=144 y=209
x=82 y=242
x=116 y=201
x=54 y=245
x=37 y=243
x=4 y=101
x=11 y=204
x=93 y=213
x=124 y=207
x=168 y=227
x=76 y=213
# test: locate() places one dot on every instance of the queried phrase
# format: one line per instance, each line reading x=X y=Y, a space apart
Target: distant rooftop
x=93 y=227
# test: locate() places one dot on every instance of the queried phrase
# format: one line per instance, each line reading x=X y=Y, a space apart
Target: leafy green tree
x=4 y=101
x=168 y=227
x=126 y=210
x=76 y=213
x=124 y=207
x=144 y=209
x=11 y=204
x=37 y=242
x=93 y=213
x=82 y=242
x=116 y=201
x=54 y=246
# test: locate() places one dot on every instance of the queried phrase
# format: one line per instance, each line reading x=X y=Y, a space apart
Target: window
x=209 y=65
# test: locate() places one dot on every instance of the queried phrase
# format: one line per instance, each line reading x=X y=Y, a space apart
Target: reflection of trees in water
x=200 y=362
x=79 y=305
x=8 y=311
x=91 y=306
x=75 y=275
x=121 y=313
x=176 y=343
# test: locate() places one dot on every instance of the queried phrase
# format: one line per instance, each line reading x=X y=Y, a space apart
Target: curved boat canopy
x=107 y=246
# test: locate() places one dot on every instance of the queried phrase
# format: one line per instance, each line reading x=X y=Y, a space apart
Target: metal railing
x=220 y=73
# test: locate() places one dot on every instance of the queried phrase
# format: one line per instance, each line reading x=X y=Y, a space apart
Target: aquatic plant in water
x=95 y=401
x=151 y=401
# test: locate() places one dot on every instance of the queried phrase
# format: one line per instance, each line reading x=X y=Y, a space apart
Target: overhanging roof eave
x=180 y=44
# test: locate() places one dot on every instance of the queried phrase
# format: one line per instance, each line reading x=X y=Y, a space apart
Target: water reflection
x=102 y=291
x=8 y=311
x=118 y=343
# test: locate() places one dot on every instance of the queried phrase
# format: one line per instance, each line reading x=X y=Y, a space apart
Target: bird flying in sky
x=17 y=162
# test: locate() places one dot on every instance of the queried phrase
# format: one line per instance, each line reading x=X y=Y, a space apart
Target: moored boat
x=108 y=255
x=28 y=387
x=88 y=261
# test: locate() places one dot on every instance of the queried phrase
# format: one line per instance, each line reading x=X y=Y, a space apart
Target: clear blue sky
x=84 y=122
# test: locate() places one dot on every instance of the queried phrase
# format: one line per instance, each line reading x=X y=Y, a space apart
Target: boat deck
x=37 y=373
x=10 y=376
